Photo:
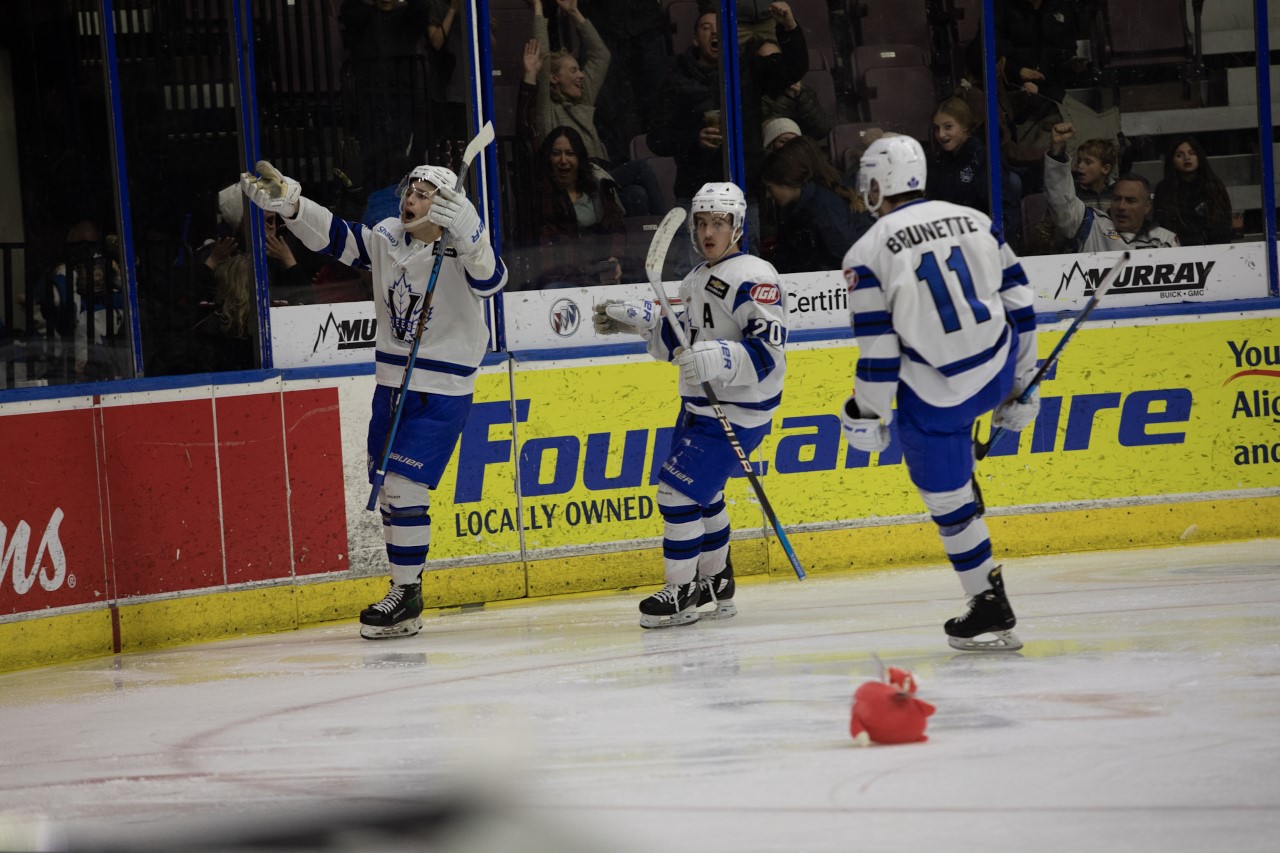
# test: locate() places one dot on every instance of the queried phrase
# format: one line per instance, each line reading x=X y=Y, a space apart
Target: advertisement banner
x=313 y=335
x=51 y=535
x=552 y=319
x=1129 y=412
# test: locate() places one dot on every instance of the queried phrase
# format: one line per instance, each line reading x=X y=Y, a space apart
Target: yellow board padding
x=626 y=569
x=55 y=639
x=210 y=616
x=1033 y=534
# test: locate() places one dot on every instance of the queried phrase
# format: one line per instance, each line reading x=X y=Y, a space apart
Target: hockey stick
x=653 y=267
x=981 y=449
x=474 y=147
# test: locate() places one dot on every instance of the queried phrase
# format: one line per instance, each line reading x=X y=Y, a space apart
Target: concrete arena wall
x=139 y=520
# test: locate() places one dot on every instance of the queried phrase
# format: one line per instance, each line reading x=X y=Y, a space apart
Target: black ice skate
x=396 y=615
x=717 y=590
x=989 y=613
x=674 y=604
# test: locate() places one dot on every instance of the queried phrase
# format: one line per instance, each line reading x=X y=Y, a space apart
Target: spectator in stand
x=635 y=31
x=1191 y=200
x=447 y=83
x=83 y=302
x=387 y=76
x=579 y=225
x=754 y=20
x=817 y=224
x=797 y=102
x=290 y=281
x=1094 y=172
x=226 y=337
x=778 y=132
x=1127 y=224
x=566 y=98
x=1038 y=40
x=688 y=125
x=958 y=166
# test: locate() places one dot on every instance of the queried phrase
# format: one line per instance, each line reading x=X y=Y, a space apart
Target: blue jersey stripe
x=499 y=270
x=760 y=357
x=426 y=364
x=870 y=323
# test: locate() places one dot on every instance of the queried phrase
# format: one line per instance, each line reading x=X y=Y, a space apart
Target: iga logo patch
x=850 y=279
x=565 y=317
x=766 y=293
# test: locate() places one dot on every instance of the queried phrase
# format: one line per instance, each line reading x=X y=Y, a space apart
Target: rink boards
x=144 y=519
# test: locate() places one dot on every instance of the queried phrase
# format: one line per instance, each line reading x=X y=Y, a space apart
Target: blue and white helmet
x=897 y=165
x=724 y=198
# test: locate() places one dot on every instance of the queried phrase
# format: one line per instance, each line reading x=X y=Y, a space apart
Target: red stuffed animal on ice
x=888 y=711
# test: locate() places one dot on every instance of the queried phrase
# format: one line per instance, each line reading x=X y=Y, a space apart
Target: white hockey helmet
x=897 y=165
x=724 y=198
x=436 y=175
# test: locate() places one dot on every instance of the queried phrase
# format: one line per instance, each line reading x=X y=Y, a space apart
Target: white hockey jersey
x=934 y=297
x=741 y=300
x=455 y=338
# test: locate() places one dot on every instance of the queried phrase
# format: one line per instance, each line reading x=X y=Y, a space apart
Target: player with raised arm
x=945 y=320
x=735 y=318
x=400 y=252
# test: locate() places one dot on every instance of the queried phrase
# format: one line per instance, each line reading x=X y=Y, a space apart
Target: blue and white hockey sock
x=406 y=526
x=715 y=538
x=964 y=536
x=682 y=534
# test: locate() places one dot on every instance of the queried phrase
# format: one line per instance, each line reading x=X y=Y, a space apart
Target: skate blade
x=722 y=610
x=684 y=617
x=1001 y=641
x=407 y=628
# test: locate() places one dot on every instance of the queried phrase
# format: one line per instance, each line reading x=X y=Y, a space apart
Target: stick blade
x=667 y=229
x=478 y=142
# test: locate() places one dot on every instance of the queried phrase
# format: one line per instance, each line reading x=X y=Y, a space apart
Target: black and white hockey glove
x=706 y=361
x=633 y=317
x=452 y=211
x=867 y=434
x=1013 y=414
x=271 y=190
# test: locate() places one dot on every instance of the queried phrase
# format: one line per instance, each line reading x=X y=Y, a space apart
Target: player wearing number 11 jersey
x=945 y=322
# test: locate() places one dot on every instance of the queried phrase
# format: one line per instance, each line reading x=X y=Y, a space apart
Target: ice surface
x=1142 y=714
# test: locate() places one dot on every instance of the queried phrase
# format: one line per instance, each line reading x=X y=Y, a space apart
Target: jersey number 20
x=931 y=274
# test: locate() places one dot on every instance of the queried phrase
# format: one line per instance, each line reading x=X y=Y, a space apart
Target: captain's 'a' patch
x=717 y=287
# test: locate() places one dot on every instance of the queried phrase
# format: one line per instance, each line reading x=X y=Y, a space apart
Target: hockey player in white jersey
x=400 y=252
x=945 y=321
x=735 y=316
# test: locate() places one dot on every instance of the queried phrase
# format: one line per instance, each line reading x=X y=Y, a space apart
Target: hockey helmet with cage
x=439 y=176
x=897 y=165
x=726 y=198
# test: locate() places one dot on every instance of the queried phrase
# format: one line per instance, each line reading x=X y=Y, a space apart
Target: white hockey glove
x=634 y=317
x=271 y=190
x=705 y=361
x=1014 y=415
x=866 y=434
x=452 y=211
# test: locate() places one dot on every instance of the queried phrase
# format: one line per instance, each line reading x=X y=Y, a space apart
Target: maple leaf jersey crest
x=403 y=308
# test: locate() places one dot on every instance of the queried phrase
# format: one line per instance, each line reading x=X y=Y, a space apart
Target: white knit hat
x=231 y=206
x=775 y=127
